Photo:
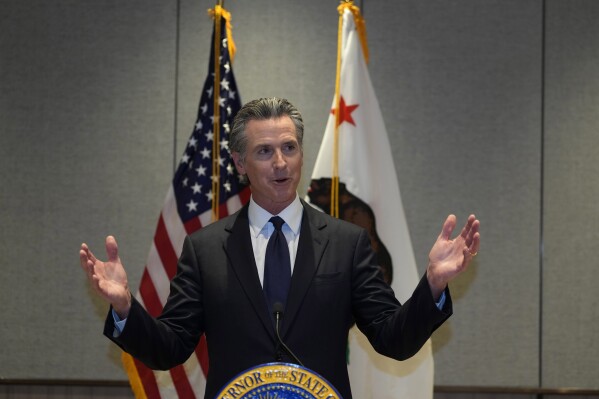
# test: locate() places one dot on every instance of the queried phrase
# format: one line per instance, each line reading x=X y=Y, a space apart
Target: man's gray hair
x=263 y=109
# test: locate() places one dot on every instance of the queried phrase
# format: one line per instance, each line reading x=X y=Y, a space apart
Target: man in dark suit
x=335 y=280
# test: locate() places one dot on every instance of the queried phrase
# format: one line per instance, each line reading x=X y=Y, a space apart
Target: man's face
x=273 y=162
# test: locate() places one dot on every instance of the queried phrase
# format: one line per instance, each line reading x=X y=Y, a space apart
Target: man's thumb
x=112 y=249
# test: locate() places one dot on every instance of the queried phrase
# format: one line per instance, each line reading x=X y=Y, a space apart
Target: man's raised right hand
x=108 y=278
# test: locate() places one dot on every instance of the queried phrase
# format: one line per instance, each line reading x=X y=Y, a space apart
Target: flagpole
x=335 y=174
x=216 y=120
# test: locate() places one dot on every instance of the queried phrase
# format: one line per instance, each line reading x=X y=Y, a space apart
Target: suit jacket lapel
x=238 y=247
x=311 y=246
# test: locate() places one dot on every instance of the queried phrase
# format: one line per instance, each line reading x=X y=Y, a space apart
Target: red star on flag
x=346 y=110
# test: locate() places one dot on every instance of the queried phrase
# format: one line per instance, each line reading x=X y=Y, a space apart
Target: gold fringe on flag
x=134 y=380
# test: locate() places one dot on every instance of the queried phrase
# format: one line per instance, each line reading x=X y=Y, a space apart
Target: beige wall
x=491 y=107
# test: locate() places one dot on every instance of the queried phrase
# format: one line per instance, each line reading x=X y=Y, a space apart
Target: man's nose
x=279 y=160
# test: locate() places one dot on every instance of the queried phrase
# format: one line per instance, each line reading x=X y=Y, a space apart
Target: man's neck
x=293 y=204
x=276 y=209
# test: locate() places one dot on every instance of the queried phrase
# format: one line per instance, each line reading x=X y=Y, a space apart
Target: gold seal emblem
x=278 y=381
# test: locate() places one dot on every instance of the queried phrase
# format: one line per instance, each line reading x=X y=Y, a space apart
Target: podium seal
x=278 y=381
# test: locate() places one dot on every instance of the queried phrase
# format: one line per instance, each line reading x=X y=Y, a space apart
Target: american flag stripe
x=172 y=220
x=181 y=377
x=158 y=276
x=149 y=296
x=148 y=379
x=195 y=373
x=187 y=208
x=235 y=203
x=179 y=374
x=166 y=385
x=181 y=382
x=202 y=354
x=165 y=249
x=196 y=223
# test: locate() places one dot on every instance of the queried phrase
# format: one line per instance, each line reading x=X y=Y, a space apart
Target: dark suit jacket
x=335 y=282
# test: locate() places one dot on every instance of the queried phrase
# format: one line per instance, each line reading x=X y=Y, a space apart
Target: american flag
x=199 y=194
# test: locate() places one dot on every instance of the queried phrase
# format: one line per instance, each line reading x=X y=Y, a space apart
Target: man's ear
x=238 y=162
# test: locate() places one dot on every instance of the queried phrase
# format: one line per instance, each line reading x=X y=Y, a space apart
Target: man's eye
x=264 y=151
x=289 y=147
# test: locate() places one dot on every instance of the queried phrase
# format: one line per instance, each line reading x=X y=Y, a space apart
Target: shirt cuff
x=119 y=325
x=439 y=304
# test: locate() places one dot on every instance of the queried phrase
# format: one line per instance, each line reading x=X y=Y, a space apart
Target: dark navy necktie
x=277 y=266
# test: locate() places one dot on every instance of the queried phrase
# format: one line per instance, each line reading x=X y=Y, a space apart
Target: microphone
x=277 y=309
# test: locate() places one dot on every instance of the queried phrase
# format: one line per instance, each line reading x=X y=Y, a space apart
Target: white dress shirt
x=261 y=230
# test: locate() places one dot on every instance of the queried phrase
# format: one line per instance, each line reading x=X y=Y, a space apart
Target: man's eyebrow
x=262 y=146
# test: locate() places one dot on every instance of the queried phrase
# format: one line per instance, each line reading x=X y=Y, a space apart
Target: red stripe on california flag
x=148 y=380
x=149 y=295
x=165 y=250
x=181 y=382
x=202 y=354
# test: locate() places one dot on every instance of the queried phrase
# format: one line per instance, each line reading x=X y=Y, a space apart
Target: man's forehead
x=272 y=126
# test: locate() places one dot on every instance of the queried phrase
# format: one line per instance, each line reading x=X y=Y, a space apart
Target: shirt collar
x=259 y=217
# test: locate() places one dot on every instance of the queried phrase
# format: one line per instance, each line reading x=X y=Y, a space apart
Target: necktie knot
x=277 y=221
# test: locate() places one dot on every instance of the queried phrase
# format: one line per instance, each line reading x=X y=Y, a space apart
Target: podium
x=278 y=381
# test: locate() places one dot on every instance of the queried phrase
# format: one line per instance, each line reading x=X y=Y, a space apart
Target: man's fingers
x=472 y=231
x=448 y=227
x=83 y=256
x=112 y=249
x=86 y=259
x=475 y=243
x=468 y=227
x=86 y=263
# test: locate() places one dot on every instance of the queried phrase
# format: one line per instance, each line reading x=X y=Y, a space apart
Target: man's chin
x=286 y=197
x=285 y=186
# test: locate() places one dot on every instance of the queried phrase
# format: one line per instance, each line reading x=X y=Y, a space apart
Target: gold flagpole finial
x=359 y=21
x=219 y=11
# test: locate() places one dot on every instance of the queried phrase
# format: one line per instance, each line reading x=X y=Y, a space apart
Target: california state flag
x=355 y=148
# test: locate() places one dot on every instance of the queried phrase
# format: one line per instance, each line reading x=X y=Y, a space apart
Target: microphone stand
x=278 y=312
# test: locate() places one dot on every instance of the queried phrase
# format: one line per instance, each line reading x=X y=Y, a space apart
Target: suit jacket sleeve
x=394 y=330
x=168 y=340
